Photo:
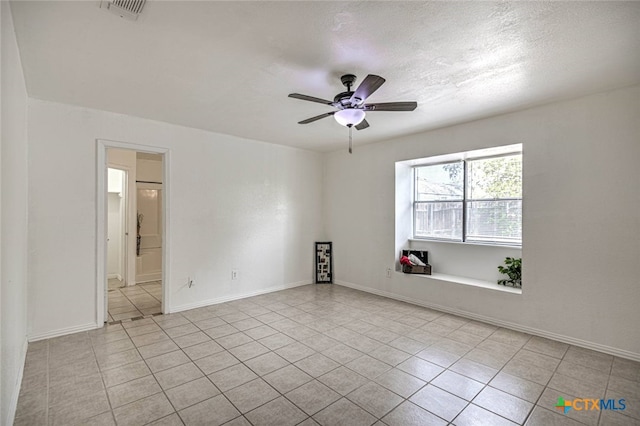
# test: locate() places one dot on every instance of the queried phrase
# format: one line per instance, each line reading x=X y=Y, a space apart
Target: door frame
x=101 y=223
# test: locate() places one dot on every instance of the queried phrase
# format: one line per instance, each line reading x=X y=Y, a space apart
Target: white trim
x=65 y=331
x=468 y=281
x=505 y=324
x=13 y=405
x=217 y=300
x=112 y=276
x=101 y=230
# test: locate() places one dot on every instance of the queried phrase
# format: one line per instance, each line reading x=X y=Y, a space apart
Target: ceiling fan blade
x=370 y=84
x=363 y=125
x=316 y=118
x=391 y=106
x=310 y=98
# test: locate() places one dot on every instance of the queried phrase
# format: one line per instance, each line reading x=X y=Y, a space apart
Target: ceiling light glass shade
x=349 y=117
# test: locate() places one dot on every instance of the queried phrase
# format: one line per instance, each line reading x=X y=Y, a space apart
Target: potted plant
x=513 y=270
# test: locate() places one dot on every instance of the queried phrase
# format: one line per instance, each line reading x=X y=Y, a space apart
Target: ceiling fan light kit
x=349 y=117
x=351 y=105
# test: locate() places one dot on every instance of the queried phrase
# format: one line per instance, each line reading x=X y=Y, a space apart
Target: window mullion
x=464 y=202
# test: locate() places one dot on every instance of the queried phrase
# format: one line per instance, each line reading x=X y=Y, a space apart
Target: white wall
x=581 y=227
x=234 y=203
x=13 y=214
x=149 y=170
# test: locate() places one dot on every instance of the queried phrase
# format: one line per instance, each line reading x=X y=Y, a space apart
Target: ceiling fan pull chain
x=350 y=140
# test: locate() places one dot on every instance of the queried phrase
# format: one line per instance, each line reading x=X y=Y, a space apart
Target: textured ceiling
x=228 y=66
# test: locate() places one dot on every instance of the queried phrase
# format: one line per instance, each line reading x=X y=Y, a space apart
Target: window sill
x=425 y=240
x=469 y=281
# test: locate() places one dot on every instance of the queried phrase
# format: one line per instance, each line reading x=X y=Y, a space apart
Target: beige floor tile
x=79 y=409
x=474 y=370
x=404 y=384
x=503 y=404
x=438 y=356
x=166 y=361
x=191 y=393
x=233 y=340
x=529 y=372
x=203 y=349
x=477 y=416
x=409 y=414
x=389 y=355
x=344 y=413
x=368 y=367
x=458 y=384
x=295 y=352
x=132 y=391
x=192 y=339
x=524 y=389
x=248 y=350
x=547 y=347
x=213 y=411
x=276 y=341
x=342 y=353
x=156 y=349
x=313 y=397
x=510 y=337
x=407 y=344
x=420 y=368
x=125 y=373
x=279 y=412
x=251 y=395
x=343 y=380
x=589 y=358
x=220 y=331
x=316 y=365
x=441 y=403
x=216 y=362
x=266 y=363
x=117 y=359
x=232 y=377
x=178 y=375
x=260 y=332
x=327 y=332
x=375 y=399
x=287 y=378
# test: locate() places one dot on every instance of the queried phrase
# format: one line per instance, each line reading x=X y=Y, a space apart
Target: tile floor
x=134 y=301
x=317 y=354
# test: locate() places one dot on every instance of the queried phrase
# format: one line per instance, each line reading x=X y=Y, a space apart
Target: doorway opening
x=132 y=230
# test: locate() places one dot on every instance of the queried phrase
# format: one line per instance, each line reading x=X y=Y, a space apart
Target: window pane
x=439 y=220
x=492 y=178
x=440 y=182
x=495 y=221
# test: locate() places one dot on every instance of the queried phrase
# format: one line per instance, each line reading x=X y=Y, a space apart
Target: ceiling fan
x=351 y=105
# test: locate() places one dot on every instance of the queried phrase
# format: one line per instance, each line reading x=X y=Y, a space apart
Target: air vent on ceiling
x=128 y=9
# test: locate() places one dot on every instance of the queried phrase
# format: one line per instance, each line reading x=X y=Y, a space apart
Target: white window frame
x=463 y=157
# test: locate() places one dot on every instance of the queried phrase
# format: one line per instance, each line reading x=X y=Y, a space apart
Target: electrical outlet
x=388 y=272
x=234 y=274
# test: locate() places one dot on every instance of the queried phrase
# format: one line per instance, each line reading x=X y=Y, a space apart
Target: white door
x=116 y=230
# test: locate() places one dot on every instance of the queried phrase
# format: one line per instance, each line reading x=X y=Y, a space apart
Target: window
x=475 y=200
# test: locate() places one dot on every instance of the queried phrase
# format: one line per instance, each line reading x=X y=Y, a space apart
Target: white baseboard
x=112 y=276
x=63 y=331
x=217 y=300
x=13 y=405
x=505 y=324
